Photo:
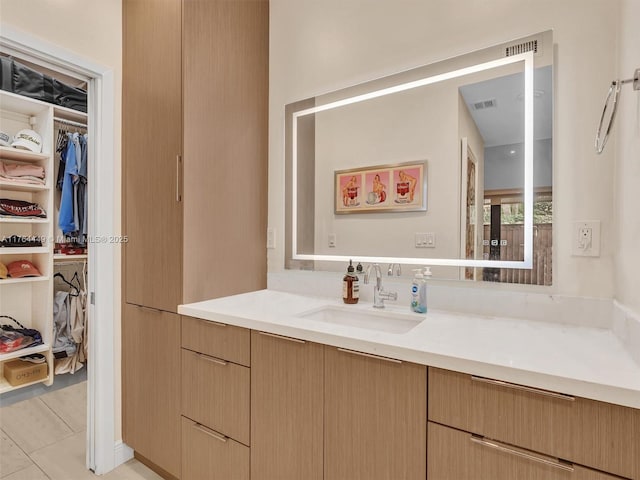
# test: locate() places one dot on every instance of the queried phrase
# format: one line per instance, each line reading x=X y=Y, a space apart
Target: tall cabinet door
x=151 y=385
x=375 y=418
x=286 y=408
x=226 y=93
x=151 y=149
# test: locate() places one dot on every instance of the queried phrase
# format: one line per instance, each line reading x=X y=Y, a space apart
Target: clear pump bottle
x=419 y=290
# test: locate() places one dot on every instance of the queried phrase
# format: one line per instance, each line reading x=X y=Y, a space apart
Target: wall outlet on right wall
x=586 y=239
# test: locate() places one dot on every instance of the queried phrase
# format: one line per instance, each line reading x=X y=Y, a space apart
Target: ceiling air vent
x=530 y=46
x=483 y=104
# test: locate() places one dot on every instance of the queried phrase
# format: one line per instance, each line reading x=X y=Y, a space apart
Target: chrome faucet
x=394 y=267
x=379 y=295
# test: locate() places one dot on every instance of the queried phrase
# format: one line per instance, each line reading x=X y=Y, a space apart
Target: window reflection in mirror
x=494 y=106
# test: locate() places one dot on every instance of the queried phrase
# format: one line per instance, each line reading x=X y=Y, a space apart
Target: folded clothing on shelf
x=22 y=173
x=12 y=338
x=69 y=248
x=20 y=241
x=20 y=208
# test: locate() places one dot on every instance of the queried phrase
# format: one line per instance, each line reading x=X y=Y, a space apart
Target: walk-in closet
x=44 y=228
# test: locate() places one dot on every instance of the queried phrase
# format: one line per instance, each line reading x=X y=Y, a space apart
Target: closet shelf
x=6 y=387
x=59 y=257
x=10 y=153
x=23 y=220
x=22 y=187
x=9 y=281
x=22 y=250
x=24 y=351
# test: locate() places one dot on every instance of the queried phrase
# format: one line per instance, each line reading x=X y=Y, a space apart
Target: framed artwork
x=382 y=188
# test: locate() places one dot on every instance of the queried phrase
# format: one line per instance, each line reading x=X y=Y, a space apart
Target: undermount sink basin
x=379 y=320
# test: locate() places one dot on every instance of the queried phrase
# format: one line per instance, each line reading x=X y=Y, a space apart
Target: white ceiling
x=504 y=123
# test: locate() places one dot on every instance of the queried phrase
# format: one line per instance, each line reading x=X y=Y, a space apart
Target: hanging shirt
x=76 y=181
x=83 y=199
x=65 y=219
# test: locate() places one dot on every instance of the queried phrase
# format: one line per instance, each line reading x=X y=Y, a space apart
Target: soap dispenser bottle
x=427 y=276
x=350 y=286
x=419 y=292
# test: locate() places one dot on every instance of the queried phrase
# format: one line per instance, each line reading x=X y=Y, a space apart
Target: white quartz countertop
x=581 y=361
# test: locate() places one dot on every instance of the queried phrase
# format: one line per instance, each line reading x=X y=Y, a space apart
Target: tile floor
x=43 y=438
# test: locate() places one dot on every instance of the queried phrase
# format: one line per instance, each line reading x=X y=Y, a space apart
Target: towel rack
x=611 y=104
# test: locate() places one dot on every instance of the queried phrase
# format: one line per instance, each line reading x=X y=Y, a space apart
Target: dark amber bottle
x=350 y=286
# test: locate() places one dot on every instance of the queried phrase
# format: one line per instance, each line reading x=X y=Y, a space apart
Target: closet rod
x=76 y=262
x=69 y=122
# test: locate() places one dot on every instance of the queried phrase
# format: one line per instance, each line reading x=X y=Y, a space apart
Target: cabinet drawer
x=217 y=339
x=596 y=434
x=216 y=394
x=209 y=454
x=457 y=455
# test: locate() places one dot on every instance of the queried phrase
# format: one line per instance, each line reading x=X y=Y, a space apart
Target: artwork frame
x=399 y=187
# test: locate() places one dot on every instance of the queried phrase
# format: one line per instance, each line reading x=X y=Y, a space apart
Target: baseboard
x=122 y=453
x=152 y=466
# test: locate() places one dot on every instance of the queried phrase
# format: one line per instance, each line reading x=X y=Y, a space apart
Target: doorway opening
x=103 y=452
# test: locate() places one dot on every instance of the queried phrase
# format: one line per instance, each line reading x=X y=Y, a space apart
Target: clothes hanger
x=76 y=277
x=59 y=275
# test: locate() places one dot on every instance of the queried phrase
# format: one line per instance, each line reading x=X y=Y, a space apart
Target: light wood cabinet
x=151 y=145
x=458 y=455
x=151 y=386
x=596 y=434
x=217 y=340
x=226 y=93
x=207 y=454
x=286 y=408
x=375 y=417
x=195 y=99
x=194 y=154
x=215 y=393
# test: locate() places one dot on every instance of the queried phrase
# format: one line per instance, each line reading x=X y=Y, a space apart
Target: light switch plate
x=271 y=238
x=425 y=240
x=332 y=240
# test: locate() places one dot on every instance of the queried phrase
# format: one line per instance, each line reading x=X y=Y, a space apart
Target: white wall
x=319 y=46
x=627 y=166
x=92 y=29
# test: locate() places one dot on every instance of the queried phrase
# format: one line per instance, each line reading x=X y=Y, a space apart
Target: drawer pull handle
x=211 y=323
x=377 y=357
x=503 y=448
x=178 y=178
x=295 y=340
x=212 y=359
x=209 y=432
x=500 y=383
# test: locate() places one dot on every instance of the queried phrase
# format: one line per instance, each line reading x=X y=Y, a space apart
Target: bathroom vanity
x=284 y=386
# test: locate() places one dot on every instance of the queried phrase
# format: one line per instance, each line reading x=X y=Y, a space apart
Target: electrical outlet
x=586 y=239
x=585 y=235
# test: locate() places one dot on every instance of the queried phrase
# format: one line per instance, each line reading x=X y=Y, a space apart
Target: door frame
x=103 y=451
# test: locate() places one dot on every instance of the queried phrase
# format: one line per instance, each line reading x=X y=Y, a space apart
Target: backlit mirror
x=447 y=165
